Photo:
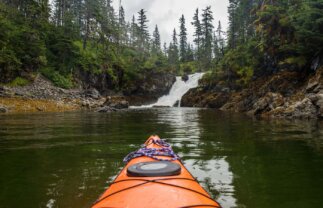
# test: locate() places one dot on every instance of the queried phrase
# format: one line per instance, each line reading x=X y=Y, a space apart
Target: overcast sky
x=166 y=13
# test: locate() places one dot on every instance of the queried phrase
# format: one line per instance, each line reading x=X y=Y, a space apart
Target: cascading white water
x=177 y=91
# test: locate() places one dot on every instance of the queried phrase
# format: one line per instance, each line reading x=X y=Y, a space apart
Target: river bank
x=43 y=96
x=281 y=95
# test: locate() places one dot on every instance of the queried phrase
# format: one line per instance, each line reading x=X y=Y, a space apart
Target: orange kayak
x=154 y=177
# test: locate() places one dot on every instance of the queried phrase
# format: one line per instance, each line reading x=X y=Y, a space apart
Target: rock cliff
x=282 y=95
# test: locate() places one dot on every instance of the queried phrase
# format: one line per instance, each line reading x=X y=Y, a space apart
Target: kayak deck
x=155 y=192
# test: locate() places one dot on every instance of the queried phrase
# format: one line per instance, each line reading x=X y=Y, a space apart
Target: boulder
x=116 y=102
x=317 y=100
x=86 y=104
x=92 y=93
x=106 y=109
x=185 y=77
x=3 y=109
x=267 y=103
x=302 y=109
x=120 y=105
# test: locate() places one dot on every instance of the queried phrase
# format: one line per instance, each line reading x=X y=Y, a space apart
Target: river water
x=68 y=159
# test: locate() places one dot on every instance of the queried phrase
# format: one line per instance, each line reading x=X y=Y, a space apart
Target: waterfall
x=177 y=91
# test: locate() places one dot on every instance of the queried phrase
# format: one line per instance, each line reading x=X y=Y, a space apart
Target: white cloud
x=166 y=13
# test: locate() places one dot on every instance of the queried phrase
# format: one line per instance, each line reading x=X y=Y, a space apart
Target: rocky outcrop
x=199 y=98
x=267 y=103
x=300 y=109
x=148 y=88
x=145 y=88
x=105 y=83
x=283 y=95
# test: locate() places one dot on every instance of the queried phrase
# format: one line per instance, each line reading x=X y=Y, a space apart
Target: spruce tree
x=165 y=49
x=197 y=34
x=207 y=31
x=216 y=48
x=156 y=41
x=122 y=25
x=190 y=53
x=143 y=33
x=232 y=32
x=133 y=32
x=173 y=56
x=220 y=38
x=183 y=39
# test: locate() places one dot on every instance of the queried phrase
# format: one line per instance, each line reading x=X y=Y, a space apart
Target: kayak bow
x=154 y=178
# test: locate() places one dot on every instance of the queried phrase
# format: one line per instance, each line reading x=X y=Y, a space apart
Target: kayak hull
x=155 y=192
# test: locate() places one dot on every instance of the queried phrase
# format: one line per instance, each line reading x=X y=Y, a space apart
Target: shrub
x=58 y=79
x=19 y=81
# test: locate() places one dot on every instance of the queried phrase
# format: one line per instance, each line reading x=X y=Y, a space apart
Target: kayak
x=154 y=177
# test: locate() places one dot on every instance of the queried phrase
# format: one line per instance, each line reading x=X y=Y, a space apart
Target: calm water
x=67 y=160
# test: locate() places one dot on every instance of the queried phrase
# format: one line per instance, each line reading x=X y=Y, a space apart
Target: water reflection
x=213 y=172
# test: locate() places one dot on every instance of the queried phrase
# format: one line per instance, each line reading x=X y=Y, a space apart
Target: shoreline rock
x=113 y=104
x=283 y=95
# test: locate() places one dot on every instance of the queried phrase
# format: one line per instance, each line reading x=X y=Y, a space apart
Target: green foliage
x=264 y=36
x=58 y=79
x=82 y=36
x=88 y=59
x=62 y=54
x=239 y=64
x=269 y=36
x=298 y=62
x=308 y=24
x=188 y=67
x=19 y=81
x=21 y=45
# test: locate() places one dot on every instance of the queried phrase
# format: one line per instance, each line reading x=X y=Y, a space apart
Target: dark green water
x=67 y=160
